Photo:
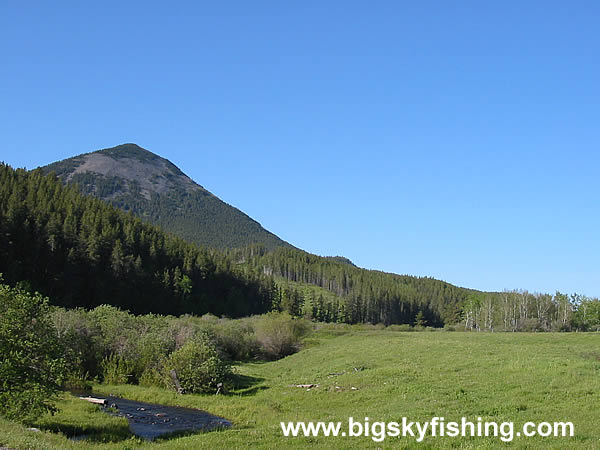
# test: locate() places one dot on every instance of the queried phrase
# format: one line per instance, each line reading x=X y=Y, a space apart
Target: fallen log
x=97 y=401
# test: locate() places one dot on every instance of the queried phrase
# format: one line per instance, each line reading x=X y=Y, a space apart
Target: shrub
x=77 y=380
x=531 y=325
x=237 y=339
x=80 y=337
x=279 y=334
x=117 y=330
x=402 y=327
x=187 y=327
x=153 y=376
x=198 y=366
x=155 y=341
x=368 y=326
x=32 y=367
x=116 y=369
x=332 y=329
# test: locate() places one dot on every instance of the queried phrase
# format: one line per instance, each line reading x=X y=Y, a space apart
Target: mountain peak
x=127 y=145
x=129 y=150
x=128 y=167
x=137 y=180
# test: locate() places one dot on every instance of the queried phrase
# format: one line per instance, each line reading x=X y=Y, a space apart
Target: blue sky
x=458 y=140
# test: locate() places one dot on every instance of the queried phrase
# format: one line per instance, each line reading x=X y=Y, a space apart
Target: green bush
x=118 y=330
x=237 y=339
x=367 y=327
x=186 y=327
x=198 y=366
x=78 y=381
x=402 y=327
x=530 y=325
x=154 y=342
x=279 y=334
x=32 y=367
x=80 y=337
x=116 y=369
x=153 y=376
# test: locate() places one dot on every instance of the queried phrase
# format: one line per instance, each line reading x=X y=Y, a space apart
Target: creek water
x=149 y=421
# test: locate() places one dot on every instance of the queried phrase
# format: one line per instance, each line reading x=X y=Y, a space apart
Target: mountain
x=330 y=289
x=153 y=188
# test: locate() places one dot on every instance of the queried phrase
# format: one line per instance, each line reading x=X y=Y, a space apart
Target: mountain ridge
x=153 y=188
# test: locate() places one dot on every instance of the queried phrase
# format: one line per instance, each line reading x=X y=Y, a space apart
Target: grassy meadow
x=380 y=374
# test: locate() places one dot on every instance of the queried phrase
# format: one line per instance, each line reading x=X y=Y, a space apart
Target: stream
x=149 y=421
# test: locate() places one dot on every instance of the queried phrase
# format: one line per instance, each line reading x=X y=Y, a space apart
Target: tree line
x=520 y=310
x=359 y=295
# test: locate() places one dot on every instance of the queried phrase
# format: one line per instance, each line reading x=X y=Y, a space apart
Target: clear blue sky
x=458 y=140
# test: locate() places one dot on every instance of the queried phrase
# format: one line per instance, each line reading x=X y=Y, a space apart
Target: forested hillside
x=80 y=251
x=360 y=295
x=337 y=291
x=151 y=187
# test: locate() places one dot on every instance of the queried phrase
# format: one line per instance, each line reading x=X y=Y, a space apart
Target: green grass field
x=500 y=377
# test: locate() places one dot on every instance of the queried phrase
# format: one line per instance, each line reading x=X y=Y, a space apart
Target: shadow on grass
x=183 y=433
x=246 y=385
x=101 y=434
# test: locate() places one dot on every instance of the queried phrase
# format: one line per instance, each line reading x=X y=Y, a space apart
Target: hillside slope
x=154 y=189
x=82 y=252
x=358 y=295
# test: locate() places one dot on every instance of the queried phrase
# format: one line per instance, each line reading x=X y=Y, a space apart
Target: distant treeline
x=367 y=296
x=361 y=295
x=524 y=311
